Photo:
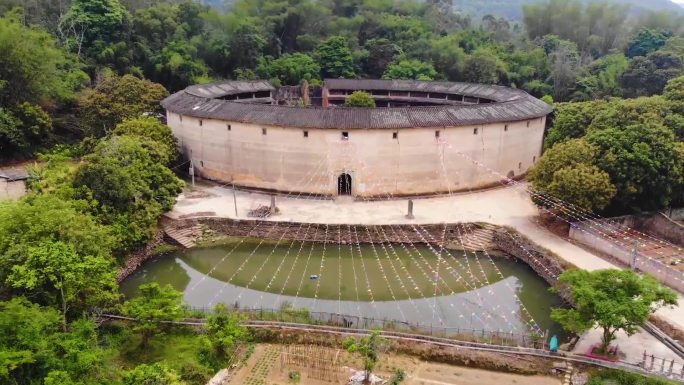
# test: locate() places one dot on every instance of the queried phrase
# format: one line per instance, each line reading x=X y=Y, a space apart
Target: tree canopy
x=368 y=348
x=116 y=99
x=410 y=70
x=359 y=99
x=610 y=299
x=153 y=304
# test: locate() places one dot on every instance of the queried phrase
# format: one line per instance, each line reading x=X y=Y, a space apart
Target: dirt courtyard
x=267 y=366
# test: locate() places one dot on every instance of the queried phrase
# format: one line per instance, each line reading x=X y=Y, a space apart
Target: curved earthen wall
x=382 y=162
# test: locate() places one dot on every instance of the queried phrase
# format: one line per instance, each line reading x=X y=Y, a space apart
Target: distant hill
x=512 y=9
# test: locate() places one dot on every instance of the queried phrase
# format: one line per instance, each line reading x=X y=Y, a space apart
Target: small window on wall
x=200 y=122
x=180 y=117
x=306 y=134
x=437 y=134
x=506 y=127
x=345 y=135
x=475 y=131
x=534 y=159
x=519 y=165
x=228 y=127
x=263 y=131
x=395 y=135
x=202 y=163
x=528 y=123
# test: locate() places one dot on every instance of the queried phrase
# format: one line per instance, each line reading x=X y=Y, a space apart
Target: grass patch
x=619 y=377
x=164 y=248
x=181 y=348
x=228 y=240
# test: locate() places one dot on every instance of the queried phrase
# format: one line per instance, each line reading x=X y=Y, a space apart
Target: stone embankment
x=461 y=236
x=464 y=236
x=138 y=257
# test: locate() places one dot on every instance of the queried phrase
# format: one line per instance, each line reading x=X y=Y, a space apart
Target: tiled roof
x=217 y=90
x=510 y=105
x=497 y=93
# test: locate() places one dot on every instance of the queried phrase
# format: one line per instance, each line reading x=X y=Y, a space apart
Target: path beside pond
x=507 y=206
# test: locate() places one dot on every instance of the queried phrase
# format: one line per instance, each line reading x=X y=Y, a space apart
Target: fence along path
x=645 y=367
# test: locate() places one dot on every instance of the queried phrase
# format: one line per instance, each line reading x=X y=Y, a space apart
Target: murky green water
x=415 y=283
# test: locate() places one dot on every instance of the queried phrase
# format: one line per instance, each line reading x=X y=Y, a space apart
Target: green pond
x=405 y=282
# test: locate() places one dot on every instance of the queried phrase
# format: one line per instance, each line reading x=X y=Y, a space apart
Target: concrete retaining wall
x=12 y=189
x=676 y=214
x=662 y=226
x=583 y=234
x=433 y=234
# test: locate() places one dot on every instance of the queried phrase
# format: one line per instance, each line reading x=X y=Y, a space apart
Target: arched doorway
x=344 y=184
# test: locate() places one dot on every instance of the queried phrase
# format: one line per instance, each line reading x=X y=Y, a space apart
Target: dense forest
x=81 y=81
x=513 y=9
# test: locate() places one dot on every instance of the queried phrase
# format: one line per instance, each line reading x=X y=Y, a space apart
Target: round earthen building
x=422 y=138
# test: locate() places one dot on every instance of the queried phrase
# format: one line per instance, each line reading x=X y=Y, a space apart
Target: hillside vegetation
x=81 y=82
x=512 y=9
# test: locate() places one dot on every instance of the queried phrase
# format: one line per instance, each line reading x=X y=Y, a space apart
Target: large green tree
x=35 y=350
x=116 y=99
x=649 y=75
x=410 y=70
x=571 y=121
x=381 y=53
x=154 y=135
x=290 y=69
x=23 y=128
x=611 y=299
x=72 y=281
x=29 y=222
x=643 y=162
x=153 y=305
x=335 y=58
x=93 y=25
x=33 y=68
x=602 y=78
x=567 y=171
x=646 y=41
x=24 y=328
x=127 y=187
x=484 y=67
x=585 y=186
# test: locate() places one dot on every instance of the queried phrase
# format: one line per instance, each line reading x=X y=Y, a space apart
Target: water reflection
x=494 y=306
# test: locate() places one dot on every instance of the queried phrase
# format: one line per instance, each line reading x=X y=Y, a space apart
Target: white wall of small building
x=416 y=162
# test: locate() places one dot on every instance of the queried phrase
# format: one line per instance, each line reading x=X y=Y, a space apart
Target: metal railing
x=649 y=366
x=492 y=337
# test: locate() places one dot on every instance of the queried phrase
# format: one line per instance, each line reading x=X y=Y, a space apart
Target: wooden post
x=671 y=367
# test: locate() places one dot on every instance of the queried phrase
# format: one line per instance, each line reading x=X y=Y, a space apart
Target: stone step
x=186 y=237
